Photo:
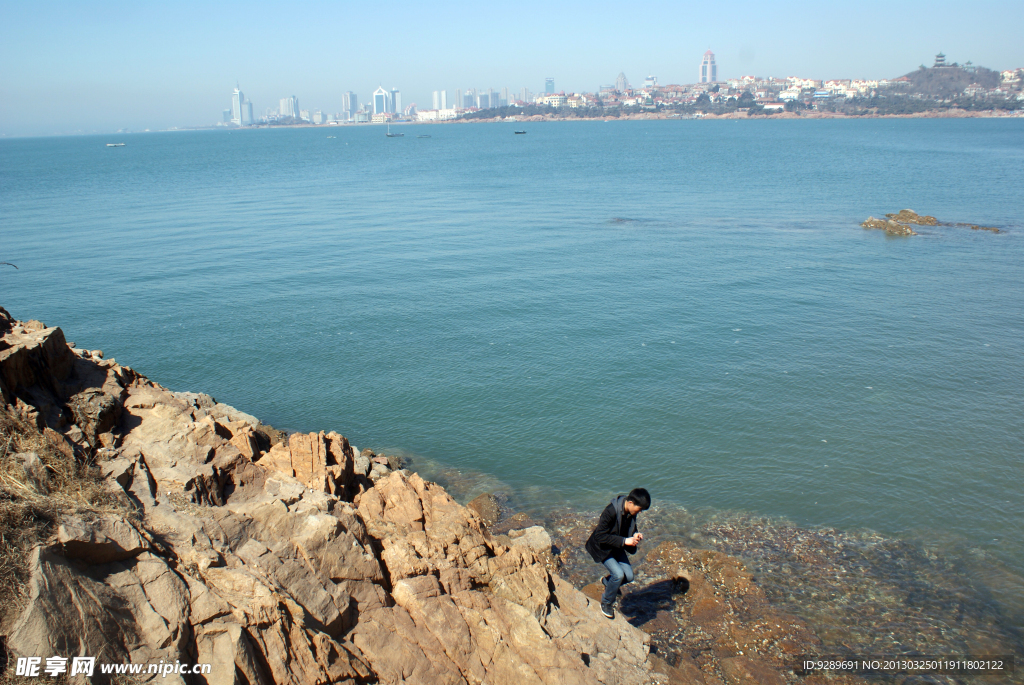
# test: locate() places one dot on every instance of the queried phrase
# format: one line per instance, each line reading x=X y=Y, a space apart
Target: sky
x=84 y=66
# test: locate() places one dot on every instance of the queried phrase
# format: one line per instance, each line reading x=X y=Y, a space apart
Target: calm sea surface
x=688 y=306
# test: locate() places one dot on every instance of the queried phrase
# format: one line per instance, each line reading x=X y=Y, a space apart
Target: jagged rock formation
x=277 y=561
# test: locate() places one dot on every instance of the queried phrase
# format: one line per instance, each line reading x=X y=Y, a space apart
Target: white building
x=708 y=69
x=289 y=107
x=349 y=106
x=382 y=101
x=436 y=115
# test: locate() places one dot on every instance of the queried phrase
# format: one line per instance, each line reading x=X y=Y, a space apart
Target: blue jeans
x=620 y=573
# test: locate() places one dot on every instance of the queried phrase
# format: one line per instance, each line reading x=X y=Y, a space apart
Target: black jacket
x=614 y=526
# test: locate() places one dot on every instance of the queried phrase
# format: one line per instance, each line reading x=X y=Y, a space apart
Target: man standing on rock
x=614 y=535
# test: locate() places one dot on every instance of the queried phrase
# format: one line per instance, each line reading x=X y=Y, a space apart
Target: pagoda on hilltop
x=940 y=61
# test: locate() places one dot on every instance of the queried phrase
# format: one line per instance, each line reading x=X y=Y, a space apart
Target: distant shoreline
x=654 y=116
x=648 y=116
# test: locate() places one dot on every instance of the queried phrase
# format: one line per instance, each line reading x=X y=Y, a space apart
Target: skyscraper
x=708 y=69
x=349 y=105
x=444 y=99
x=381 y=101
x=289 y=107
x=237 y=100
x=247 y=113
x=396 y=101
x=621 y=84
x=549 y=86
x=458 y=98
x=504 y=98
x=437 y=99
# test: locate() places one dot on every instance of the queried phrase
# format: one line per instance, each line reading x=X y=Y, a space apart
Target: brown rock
x=101 y=541
x=684 y=673
x=486 y=507
x=909 y=216
x=95 y=413
x=740 y=670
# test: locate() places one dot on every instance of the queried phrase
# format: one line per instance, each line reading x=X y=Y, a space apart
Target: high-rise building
x=247 y=113
x=708 y=69
x=458 y=97
x=651 y=82
x=483 y=101
x=396 y=101
x=525 y=95
x=469 y=99
x=289 y=107
x=437 y=99
x=504 y=98
x=349 y=105
x=227 y=116
x=237 y=100
x=381 y=101
x=621 y=84
x=444 y=100
x=549 y=86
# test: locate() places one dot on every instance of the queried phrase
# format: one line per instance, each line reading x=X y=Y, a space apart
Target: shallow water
x=686 y=305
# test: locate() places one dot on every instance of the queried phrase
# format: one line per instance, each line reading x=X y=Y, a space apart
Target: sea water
x=688 y=306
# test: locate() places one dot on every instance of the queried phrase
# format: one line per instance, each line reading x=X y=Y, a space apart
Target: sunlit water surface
x=684 y=305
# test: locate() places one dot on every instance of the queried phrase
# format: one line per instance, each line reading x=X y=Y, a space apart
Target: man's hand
x=633 y=541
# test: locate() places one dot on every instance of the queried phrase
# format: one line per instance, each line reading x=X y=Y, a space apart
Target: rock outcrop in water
x=900 y=223
x=277 y=561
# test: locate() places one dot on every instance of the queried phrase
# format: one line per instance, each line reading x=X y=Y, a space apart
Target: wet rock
x=900 y=223
x=909 y=216
x=889 y=226
x=486 y=507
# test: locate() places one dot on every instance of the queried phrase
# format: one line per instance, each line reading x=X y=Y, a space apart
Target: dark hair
x=641 y=497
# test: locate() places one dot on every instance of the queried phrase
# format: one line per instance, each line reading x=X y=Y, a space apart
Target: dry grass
x=30 y=511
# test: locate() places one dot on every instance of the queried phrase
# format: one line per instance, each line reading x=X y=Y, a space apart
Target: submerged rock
x=889 y=226
x=900 y=223
x=909 y=216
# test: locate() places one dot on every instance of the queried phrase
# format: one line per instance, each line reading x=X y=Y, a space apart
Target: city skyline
x=135 y=66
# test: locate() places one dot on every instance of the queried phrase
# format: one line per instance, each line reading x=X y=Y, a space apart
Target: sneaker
x=606 y=609
x=604 y=581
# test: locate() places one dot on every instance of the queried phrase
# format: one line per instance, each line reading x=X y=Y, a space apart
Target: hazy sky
x=99 y=66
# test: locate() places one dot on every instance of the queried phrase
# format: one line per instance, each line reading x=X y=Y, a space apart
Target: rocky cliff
x=209 y=538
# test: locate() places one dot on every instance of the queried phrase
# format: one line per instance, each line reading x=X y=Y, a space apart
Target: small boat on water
x=115 y=144
x=394 y=135
x=520 y=133
x=422 y=136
